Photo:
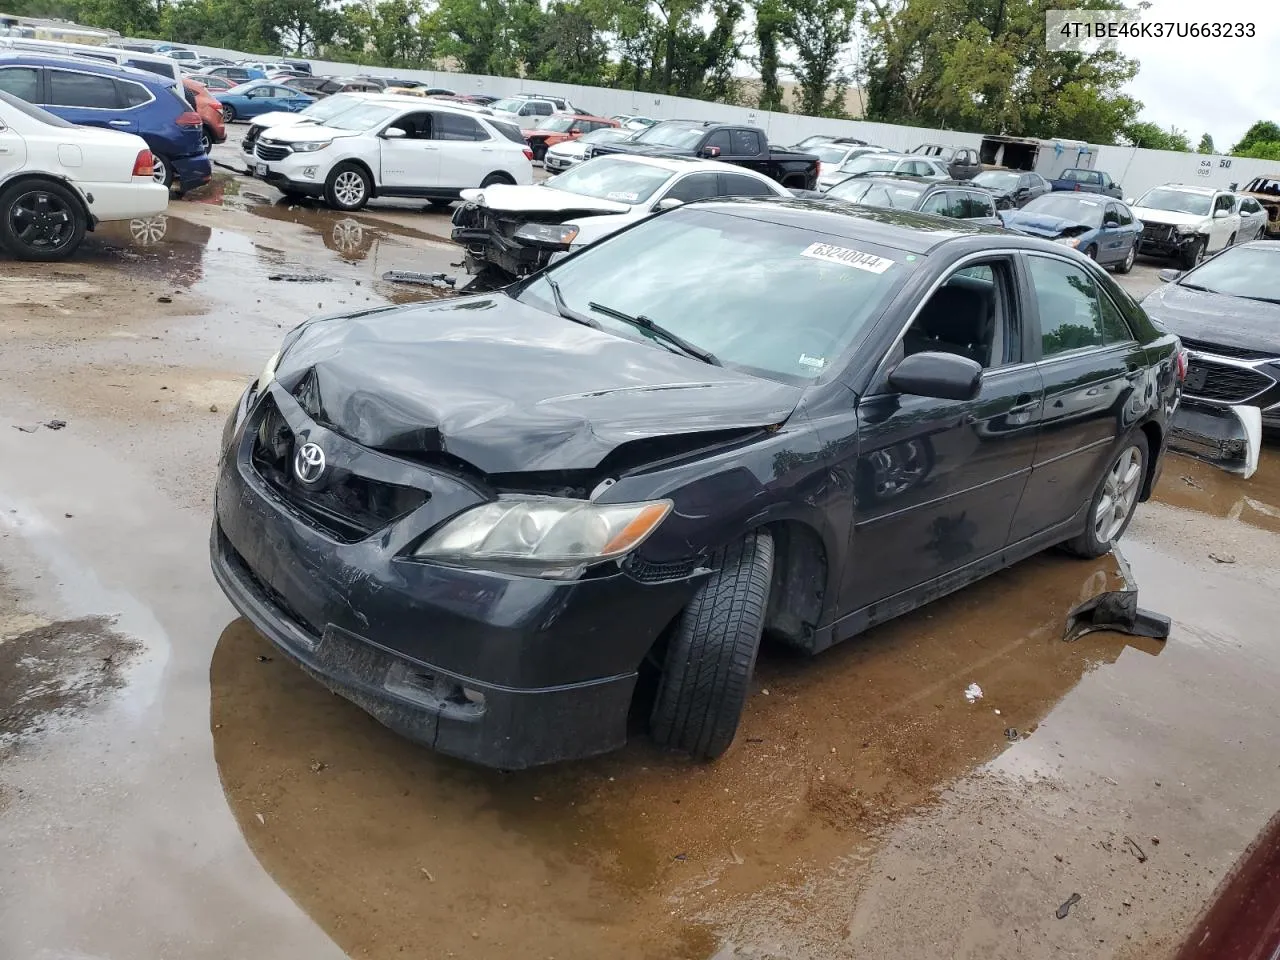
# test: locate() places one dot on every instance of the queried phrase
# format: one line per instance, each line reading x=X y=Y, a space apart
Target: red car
x=562 y=127
x=210 y=110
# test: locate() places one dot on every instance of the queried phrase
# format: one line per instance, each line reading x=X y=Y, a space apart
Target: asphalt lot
x=169 y=788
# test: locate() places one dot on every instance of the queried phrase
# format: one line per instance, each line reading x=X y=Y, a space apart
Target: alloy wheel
x=1133 y=254
x=1119 y=493
x=159 y=173
x=41 y=220
x=348 y=187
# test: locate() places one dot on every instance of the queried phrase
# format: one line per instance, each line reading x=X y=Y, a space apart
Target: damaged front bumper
x=490 y=242
x=1159 y=240
x=1229 y=437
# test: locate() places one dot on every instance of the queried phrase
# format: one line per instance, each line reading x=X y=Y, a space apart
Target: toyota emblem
x=308 y=463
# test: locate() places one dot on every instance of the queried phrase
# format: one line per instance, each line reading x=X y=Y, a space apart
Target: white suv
x=1185 y=222
x=392 y=146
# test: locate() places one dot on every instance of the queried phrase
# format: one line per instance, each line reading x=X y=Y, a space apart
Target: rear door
x=466 y=150
x=1091 y=366
x=412 y=162
x=739 y=185
x=94 y=100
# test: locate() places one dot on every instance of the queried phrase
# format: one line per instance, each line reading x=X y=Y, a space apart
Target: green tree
x=770 y=19
x=982 y=65
x=1264 y=131
x=498 y=37
x=819 y=31
x=1150 y=136
x=1206 y=144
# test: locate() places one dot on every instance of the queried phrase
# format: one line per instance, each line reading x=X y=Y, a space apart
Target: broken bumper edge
x=1229 y=437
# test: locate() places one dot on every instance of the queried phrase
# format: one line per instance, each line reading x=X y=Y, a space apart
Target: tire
x=163 y=171
x=493 y=178
x=539 y=152
x=1118 y=479
x=41 y=220
x=712 y=652
x=1194 y=255
x=1091 y=252
x=1125 y=265
x=347 y=187
x=206 y=140
x=1231 y=240
x=228 y=113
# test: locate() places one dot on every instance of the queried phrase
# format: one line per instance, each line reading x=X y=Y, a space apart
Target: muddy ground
x=169 y=787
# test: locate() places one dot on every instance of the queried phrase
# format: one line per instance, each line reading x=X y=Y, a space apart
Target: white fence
x=1136 y=170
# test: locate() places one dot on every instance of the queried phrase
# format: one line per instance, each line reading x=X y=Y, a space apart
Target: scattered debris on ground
x=442 y=280
x=973 y=693
x=1116 y=610
x=1066 y=907
x=300 y=278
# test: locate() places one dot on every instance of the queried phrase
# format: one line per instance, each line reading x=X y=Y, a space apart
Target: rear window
x=512 y=133
x=22 y=82
x=167 y=70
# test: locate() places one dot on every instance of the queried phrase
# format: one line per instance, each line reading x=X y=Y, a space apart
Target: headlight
x=555 y=233
x=311 y=146
x=543 y=536
x=268 y=372
x=1068 y=241
x=1183 y=229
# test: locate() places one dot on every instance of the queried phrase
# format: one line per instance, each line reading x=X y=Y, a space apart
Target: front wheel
x=347 y=187
x=1231 y=240
x=712 y=652
x=1127 y=264
x=1194 y=254
x=1115 y=500
x=40 y=220
x=493 y=178
x=228 y=113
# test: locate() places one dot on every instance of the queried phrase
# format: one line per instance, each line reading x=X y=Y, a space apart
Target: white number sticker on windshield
x=857 y=259
x=626 y=196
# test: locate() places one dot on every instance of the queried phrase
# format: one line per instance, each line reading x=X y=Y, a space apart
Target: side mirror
x=669 y=203
x=946 y=376
x=1111 y=222
x=1128 y=201
x=1219 y=214
x=710 y=152
x=394 y=133
x=1168 y=274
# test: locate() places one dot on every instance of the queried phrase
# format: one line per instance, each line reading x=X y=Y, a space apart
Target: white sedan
x=516 y=230
x=58 y=180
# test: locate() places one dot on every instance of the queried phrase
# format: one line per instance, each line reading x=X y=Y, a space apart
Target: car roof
x=901 y=229
x=682 y=164
x=1191 y=188
x=422 y=103
x=88 y=65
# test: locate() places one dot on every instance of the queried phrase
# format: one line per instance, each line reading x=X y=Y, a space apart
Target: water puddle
x=396 y=851
x=1197 y=486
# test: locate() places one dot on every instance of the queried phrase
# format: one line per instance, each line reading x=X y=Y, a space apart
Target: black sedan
x=943 y=198
x=481 y=519
x=1227 y=314
x=1012 y=188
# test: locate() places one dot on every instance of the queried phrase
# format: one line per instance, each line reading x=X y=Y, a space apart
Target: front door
x=1090 y=365
x=1224 y=223
x=937 y=481
x=411 y=162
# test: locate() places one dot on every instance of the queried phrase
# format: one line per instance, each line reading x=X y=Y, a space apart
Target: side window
x=67 y=89
x=543 y=109
x=1111 y=215
x=1251 y=205
x=451 y=126
x=969 y=315
x=1223 y=202
x=722 y=140
x=1070 y=316
x=1114 y=327
x=746 y=143
x=1126 y=218
x=160 y=69
x=416 y=126
x=22 y=82
x=736 y=185
x=977 y=205
x=696 y=186
x=938 y=204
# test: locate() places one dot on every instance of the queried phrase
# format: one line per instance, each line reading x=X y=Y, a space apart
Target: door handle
x=118 y=123
x=4 y=150
x=1024 y=400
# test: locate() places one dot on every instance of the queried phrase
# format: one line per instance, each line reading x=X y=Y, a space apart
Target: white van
x=152 y=63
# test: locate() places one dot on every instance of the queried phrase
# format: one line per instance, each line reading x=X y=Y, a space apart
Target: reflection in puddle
x=1198 y=486
x=392 y=848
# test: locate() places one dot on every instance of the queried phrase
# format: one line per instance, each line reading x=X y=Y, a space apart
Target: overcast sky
x=1219 y=86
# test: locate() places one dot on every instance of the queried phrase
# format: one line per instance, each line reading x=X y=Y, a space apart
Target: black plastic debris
x=300 y=278
x=442 y=280
x=1116 y=610
x=55 y=424
x=1066 y=907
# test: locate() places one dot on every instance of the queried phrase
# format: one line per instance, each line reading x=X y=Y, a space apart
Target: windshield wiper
x=1196 y=286
x=563 y=309
x=658 y=332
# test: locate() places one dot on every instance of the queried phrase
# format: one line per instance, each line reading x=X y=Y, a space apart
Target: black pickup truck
x=744 y=146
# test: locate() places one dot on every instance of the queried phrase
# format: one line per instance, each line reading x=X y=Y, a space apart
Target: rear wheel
x=40 y=220
x=1115 y=500
x=162 y=170
x=712 y=652
x=228 y=113
x=1127 y=264
x=347 y=187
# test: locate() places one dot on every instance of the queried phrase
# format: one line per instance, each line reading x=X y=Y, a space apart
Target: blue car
x=258 y=97
x=95 y=94
x=1102 y=229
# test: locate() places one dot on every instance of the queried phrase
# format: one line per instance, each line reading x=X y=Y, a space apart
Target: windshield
x=829 y=152
x=671 y=135
x=1176 y=201
x=322 y=110
x=896 y=196
x=722 y=282
x=366 y=116
x=556 y=124
x=604 y=135
x=1252 y=272
x=997 y=180
x=870 y=163
x=608 y=178
x=1081 y=176
x=507 y=104
x=1067 y=206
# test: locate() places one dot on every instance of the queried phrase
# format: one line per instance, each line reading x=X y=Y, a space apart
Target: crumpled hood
x=1150 y=215
x=1040 y=225
x=509 y=388
x=530 y=199
x=1215 y=317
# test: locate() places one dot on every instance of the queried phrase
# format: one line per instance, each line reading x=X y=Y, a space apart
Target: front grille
x=1223 y=382
x=347 y=507
x=272 y=152
x=1160 y=232
x=1222 y=350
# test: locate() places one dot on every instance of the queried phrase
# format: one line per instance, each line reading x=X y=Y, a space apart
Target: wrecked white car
x=517 y=229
